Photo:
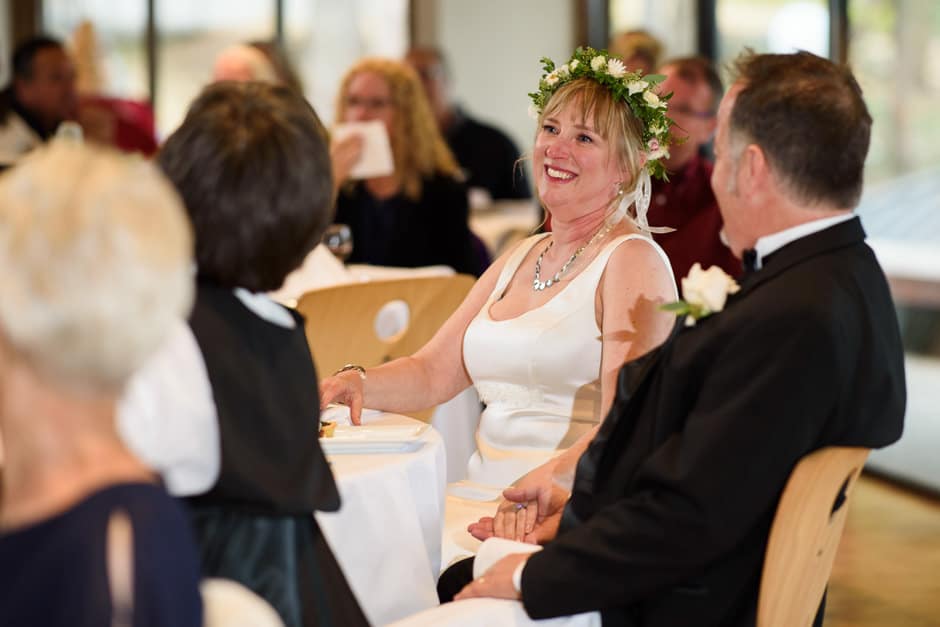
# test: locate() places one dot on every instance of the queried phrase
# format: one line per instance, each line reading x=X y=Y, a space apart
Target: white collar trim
x=265 y=308
x=770 y=244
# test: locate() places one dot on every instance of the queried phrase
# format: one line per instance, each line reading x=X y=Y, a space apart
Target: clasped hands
x=528 y=513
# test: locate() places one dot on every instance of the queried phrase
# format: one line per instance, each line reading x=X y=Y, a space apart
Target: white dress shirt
x=770 y=244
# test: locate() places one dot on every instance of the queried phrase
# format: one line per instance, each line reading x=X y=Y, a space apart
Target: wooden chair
x=805 y=535
x=341 y=320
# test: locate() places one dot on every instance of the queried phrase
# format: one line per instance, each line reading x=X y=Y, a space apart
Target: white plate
x=349 y=439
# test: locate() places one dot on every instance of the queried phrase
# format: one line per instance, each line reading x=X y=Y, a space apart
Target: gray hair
x=96 y=252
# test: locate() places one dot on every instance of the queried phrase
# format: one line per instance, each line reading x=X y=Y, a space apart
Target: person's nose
x=358 y=113
x=557 y=148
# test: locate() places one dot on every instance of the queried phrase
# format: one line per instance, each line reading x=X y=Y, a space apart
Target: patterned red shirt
x=686 y=203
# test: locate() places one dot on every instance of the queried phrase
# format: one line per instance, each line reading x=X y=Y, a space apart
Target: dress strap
x=599 y=263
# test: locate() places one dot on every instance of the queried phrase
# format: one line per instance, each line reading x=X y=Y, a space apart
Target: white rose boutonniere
x=704 y=292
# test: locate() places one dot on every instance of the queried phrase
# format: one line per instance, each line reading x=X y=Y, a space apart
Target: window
x=114 y=50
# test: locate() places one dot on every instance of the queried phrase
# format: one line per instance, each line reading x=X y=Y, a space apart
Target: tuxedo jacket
x=673 y=500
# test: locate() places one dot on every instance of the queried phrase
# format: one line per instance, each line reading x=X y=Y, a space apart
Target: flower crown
x=631 y=87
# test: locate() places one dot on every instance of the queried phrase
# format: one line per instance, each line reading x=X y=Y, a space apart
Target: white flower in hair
x=574 y=64
x=635 y=87
x=598 y=62
x=651 y=98
x=563 y=71
x=656 y=150
x=616 y=68
x=533 y=112
x=551 y=79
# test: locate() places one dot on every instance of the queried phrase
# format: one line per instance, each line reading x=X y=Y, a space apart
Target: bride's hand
x=521 y=506
x=345 y=388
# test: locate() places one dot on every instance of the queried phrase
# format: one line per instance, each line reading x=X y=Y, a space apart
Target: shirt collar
x=265 y=308
x=770 y=244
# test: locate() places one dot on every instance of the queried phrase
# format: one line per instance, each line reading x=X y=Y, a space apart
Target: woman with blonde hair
x=545 y=330
x=417 y=215
x=96 y=254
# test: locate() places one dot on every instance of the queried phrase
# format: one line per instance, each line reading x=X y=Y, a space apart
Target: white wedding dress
x=539 y=376
x=538 y=373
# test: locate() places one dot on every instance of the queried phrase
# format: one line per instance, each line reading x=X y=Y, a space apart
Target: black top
x=401 y=232
x=265 y=390
x=255 y=525
x=54 y=572
x=488 y=158
x=673 y=500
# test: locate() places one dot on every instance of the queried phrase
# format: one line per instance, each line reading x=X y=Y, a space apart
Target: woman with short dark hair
x=251 y=163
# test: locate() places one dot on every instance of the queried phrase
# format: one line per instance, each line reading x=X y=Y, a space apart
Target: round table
x=387 y=533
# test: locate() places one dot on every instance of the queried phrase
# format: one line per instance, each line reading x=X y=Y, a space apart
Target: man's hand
x=495 y=582
x=529 y=514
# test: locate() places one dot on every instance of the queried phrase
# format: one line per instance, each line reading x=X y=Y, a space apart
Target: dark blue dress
x=54 y=573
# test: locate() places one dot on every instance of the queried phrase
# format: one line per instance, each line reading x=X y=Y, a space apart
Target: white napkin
x=376 y=158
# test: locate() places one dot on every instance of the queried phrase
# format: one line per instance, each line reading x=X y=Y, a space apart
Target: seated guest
x=686 y=201
x=243 y=62
x=639 y=50
x=417 y=215
x=486 y=155
x=232 y=405
x=671 y=506
x=40 y=97
x=543 y=333
x=96 y=254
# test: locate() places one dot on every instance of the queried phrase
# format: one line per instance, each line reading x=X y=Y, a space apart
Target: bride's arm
x=635 y=283
x=434 y=374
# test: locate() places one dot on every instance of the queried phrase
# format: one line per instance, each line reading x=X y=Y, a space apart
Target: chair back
x=227 y=603
x=805 y=535
x=344 y=323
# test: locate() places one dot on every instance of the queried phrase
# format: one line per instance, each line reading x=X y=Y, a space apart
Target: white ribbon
x=641 y=195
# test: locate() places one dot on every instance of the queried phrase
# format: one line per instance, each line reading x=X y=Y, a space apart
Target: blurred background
x=161 y=53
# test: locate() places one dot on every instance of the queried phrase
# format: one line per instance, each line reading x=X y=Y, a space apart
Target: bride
x=545 y=330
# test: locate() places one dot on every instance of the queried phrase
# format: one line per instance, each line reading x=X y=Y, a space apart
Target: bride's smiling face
x=576 y=169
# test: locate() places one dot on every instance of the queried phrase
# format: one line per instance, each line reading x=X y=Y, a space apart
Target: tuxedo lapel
x=835 y=237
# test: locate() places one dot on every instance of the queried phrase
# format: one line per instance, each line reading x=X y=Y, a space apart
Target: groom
x=671 y=506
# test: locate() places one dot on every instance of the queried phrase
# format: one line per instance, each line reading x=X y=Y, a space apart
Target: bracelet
x=356 y=367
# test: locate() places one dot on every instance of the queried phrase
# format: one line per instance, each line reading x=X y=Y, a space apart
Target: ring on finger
x=519 y=506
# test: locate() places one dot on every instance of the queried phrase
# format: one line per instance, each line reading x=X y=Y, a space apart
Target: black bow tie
x=749 y=260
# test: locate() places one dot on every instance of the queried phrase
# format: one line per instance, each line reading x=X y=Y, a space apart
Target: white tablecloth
x=387 y=534
x=479 y=612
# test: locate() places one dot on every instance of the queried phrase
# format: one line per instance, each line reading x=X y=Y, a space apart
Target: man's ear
x=754 y=169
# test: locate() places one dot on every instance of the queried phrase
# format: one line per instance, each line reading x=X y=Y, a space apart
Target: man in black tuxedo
x=671 y=506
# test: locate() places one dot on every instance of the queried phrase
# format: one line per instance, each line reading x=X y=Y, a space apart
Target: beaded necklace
x=538 y=284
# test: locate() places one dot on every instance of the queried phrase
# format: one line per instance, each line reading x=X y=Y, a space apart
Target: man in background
x=686 y=202
x=40 y=96
x=485 y=154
